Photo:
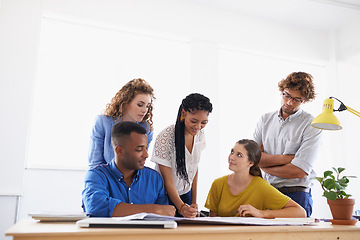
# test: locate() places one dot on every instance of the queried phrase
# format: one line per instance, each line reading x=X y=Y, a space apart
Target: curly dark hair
x=299 y=81
x=192 y=102
x=115 y=109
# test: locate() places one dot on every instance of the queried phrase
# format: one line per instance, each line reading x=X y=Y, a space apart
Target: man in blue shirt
x=125 y=186
x=289 y=144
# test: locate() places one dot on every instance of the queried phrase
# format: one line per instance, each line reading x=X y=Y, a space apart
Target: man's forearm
x=125 y=209
x=271 y=160
x=285 y=171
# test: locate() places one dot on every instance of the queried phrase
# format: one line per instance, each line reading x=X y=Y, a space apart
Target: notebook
x=118 y=223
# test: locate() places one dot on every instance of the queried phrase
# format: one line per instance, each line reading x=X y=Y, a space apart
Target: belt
x=286 y=190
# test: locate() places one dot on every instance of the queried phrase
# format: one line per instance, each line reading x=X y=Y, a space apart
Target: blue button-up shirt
x=105 y=188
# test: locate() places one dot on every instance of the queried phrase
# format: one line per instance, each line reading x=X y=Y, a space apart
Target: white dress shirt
x=292 y=136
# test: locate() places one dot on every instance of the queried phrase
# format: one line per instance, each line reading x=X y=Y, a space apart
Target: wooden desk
x=30 y=229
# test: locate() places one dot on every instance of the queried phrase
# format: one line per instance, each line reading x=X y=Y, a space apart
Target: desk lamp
x=327 y=120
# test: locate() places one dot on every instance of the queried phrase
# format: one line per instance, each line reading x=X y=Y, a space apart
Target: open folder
x=121 y=223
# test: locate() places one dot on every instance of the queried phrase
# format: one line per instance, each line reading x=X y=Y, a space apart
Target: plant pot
x=341 y=209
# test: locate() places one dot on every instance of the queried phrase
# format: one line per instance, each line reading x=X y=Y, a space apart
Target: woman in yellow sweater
x=245 y=193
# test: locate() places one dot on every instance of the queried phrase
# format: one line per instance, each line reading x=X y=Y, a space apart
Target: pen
x=324 y=220
x=199 y=212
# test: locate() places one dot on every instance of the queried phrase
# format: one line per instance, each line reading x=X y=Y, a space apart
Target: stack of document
x=58 y=216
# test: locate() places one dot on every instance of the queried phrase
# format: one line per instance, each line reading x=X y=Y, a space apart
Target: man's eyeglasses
x=287 y=97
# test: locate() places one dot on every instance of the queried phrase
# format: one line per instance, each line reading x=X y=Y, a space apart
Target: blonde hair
x=115 y=109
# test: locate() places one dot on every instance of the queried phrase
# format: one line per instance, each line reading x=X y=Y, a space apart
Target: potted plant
x=334 y=187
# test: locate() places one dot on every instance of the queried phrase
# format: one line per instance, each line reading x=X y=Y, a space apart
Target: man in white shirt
x=288 y=142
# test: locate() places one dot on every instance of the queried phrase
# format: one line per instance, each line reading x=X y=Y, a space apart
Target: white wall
x=209 y=30
x=19 y=24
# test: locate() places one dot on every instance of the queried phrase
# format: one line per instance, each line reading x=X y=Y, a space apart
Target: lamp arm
x=342 y=106
x=353 y=111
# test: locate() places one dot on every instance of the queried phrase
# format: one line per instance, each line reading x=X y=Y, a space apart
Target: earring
x=182 y=118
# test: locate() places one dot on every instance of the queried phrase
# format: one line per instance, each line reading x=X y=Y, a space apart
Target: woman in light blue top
x=133 y=102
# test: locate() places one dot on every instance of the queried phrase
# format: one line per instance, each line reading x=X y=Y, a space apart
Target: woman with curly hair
x=177 y=153
x=133 y=102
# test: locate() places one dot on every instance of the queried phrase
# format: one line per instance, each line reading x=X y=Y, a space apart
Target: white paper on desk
x=138 y=216
x=244 y=221
x=227 y=220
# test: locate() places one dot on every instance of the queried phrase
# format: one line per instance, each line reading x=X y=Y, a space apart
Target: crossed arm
x=280 y=166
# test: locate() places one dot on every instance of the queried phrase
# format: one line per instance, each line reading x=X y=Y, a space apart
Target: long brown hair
x=115 y=109
x=254 y=155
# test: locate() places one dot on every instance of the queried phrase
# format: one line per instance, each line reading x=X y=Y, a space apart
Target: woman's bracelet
x=184 y=204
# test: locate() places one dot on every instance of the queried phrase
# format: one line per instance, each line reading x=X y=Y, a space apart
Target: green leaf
x=344 y=181
x=330 y=195
x=327 y=173
x=335 y=170
x=342 y=194
x=329 y=184
x=338 y=186
x=319 y=179
x=340 y=169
